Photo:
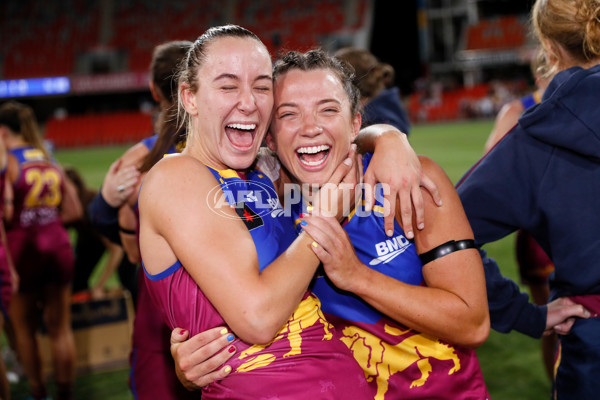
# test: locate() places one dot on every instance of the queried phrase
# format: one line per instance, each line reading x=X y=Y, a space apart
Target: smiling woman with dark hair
x=419 y=305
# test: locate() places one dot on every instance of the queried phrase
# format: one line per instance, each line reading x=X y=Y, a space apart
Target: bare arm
x=7 y=201
x=396 y=164
x=70 y=208
x=452 y=305
x=115 y=254
x=128 y=233
x=169 y=231
x=12 y=173
x=6 y=189
x=505 y=120
x=119 y=184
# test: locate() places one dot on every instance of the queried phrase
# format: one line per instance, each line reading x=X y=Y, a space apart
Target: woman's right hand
x=199 y=358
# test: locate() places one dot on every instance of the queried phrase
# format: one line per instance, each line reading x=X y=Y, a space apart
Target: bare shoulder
x=434 y=171
x=447 y=221
x=175 y=179
x=445 y=186
x=511 y=111
x=176 y=170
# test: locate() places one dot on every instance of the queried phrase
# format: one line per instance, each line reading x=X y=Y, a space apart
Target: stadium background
x=82 y=65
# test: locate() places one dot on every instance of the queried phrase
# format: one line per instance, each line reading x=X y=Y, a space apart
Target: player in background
x=42 y=201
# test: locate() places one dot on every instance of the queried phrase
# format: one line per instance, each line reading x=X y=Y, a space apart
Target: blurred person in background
x=103 y=209
x=42 y=200
x=90 y=246
x=534 y=264
x=9 y=279
x=542 y=177
x=114 y=212
x=380 y=98
x=510 y=112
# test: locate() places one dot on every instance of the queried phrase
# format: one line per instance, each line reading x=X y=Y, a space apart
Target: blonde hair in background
x=572 y=24
x=540 y=66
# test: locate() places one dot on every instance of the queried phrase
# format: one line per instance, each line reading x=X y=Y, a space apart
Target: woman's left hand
x=396 y=165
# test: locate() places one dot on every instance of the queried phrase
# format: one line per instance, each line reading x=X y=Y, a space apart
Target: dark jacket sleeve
x=105 y=218
x=509 y=307
x=498 y=195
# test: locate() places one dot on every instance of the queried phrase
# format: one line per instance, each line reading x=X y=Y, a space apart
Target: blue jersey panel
x=256 y=203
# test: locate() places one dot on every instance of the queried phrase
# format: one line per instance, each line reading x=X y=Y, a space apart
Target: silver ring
x=120 y=188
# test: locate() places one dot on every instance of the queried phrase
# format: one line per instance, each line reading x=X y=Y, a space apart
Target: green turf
x=511 y=363
x=92 y=163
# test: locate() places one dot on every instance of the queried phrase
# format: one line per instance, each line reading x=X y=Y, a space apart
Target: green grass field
x=511 y=363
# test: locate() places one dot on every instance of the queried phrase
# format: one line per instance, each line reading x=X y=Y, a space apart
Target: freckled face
x=231 y=109
x=312 y=126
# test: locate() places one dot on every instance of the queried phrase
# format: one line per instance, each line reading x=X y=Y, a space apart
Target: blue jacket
x=386 y=108
x=543 y=176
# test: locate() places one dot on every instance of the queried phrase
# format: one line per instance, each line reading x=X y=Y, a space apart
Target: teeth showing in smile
x=313 y=149
x=310 y=155
x=246 y=127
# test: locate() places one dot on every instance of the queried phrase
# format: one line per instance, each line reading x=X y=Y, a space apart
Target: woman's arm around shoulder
x=396 y=164
x=184 y=216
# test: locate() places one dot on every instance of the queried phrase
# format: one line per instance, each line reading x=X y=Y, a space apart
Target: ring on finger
x=120 y=188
